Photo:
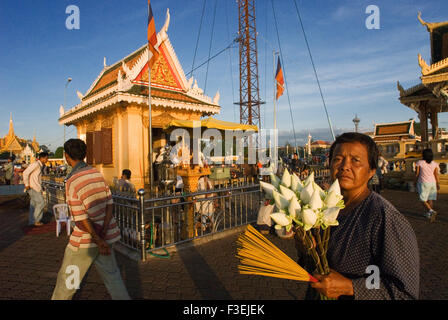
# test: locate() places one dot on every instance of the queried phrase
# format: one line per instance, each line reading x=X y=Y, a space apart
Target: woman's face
x=350 y=165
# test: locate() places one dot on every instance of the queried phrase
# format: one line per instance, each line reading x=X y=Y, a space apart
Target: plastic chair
x=61 y=214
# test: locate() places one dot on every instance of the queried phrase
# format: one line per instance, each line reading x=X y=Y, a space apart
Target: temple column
x=134 y=145
x=434 y=123
x=422 y=115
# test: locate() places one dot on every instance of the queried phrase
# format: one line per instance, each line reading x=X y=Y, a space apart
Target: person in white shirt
x=33 y=185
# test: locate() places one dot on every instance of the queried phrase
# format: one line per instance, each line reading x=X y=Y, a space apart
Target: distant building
x=396 y=139
x=21 y=148
x=320 y=144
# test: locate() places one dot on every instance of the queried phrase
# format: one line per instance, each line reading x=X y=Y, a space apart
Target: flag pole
x=151 y=177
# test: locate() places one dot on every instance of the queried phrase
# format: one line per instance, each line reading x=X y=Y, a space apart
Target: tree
x=59 y=153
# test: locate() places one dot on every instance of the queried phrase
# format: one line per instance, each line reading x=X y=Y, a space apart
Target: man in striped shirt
x=90 y=202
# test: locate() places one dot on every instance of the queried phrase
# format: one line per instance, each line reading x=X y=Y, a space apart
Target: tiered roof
x=12 y=143
x=433 y=88
x=394 y=131
x=127 y=80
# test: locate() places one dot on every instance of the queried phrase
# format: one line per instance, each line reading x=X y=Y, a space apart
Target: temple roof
x=403 y=129
x=127 y=81
x=431 y=26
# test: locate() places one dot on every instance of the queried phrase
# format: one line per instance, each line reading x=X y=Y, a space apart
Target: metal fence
x=151 y=223
x=54 y=193
x=148 y=223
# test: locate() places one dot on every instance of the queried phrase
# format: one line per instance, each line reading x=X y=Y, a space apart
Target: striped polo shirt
x=87 y=196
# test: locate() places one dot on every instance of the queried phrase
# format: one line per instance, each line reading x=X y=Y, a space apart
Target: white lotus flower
x=294 y=209
x=309 y=218
x=319 y=189
x=287 y=193
x=335 y=187
x=268 y=189
x=306 y=193
x=330 y=215
x=296 y=184
x=286 y=179
x=316 y=201
x=281 y=220
x=309 y=179
x=332 y=199
x=280 y=201
x=275 y=181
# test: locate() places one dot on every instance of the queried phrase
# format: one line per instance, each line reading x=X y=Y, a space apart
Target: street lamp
x=65 y=101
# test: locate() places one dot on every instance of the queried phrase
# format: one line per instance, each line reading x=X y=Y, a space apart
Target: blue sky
x=358 y=68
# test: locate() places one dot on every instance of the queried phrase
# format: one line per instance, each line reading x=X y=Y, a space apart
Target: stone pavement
x=29 y=263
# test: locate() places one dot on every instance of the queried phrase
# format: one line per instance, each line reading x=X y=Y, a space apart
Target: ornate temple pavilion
x=112 y=116
x=430 y=96
x=21 y=148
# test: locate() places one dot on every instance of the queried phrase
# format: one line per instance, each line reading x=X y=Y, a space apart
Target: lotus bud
x=330 y=215
x=287 y=193
x=280 y=201
x=306 y=193
x=268 y=189
x=286 y=179
x=309 y=218
x=309 y=179
x=318 y=188
x=332 y=199
x=296 y=184
x=281 y=219
x=275 y=181
x=316 y=201
x=294 y=209
x=335 y=187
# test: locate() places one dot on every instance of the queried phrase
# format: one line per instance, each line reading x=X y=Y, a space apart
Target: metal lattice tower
x=249 y=91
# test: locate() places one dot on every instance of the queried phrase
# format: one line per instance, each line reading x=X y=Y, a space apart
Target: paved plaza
x=29 y=263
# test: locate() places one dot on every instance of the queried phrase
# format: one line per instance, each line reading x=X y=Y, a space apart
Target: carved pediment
x=159 y=121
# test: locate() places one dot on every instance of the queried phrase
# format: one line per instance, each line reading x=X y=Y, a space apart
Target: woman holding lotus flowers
x=367 y=232
x=371 y=232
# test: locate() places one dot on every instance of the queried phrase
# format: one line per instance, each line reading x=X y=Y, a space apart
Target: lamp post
x=65 y=100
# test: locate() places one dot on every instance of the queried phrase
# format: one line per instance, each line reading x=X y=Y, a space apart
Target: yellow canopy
x=211 y=123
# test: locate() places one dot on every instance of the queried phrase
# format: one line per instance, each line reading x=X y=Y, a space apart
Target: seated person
x=124 y=184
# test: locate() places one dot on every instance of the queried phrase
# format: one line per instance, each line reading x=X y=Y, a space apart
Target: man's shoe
x=433 y=216
x=38 y=224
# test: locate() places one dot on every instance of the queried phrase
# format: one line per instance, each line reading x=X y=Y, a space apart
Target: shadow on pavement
x=205 y=279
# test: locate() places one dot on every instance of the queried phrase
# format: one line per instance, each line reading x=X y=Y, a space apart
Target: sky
x=358 y=68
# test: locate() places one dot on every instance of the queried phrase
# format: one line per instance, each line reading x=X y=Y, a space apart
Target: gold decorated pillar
x=190 y=177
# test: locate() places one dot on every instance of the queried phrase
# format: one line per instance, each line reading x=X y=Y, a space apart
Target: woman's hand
x=438 y=186
x=333 y=285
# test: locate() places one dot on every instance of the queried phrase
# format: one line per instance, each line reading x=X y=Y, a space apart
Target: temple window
x=99 y=146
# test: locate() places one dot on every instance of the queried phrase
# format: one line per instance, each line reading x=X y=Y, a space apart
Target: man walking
x=9 y=170
x=90 y=203
x=33 y=185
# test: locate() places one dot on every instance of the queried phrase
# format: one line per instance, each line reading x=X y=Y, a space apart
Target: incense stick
x=259 y=256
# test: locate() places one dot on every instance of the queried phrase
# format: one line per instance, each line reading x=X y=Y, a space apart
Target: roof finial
x=11 y=126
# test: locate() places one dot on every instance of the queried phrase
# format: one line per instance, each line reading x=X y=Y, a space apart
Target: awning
x=211 y=123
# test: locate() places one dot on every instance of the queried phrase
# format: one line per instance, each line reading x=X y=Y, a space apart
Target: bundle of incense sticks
x=259 y=256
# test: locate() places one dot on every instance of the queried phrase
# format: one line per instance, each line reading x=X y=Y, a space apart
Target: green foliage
x=59 y=153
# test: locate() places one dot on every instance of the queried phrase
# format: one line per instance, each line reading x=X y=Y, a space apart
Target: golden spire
x=11 y=127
